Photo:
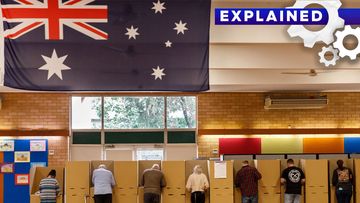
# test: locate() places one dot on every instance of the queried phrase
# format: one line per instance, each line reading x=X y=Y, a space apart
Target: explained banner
x=336 y=23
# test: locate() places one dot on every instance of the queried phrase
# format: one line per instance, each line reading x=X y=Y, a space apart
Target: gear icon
x=332 y=61
x=339 y=43
x=326 y=34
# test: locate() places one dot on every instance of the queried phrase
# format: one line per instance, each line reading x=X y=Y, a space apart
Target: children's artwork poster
x=21 y=179
x=7 y=145
x=38 y=145
x=7 y=168
x=22 y=157
x=37 y=164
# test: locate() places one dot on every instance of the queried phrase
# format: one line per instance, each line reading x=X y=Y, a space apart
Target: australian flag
x=106 y=45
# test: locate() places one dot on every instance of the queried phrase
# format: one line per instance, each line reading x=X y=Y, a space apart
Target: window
x=134 y=120
x=86 y=112
x=149 y=154
x=134 y=112
x=181 y=112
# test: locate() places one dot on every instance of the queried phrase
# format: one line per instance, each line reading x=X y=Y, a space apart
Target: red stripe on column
x=239 y=145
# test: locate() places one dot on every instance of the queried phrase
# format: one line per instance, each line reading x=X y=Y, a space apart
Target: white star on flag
x=158 y=7
x=132 y=32
x=158 y=73
x=168 y=43
x=54 y=65
x=180 y=27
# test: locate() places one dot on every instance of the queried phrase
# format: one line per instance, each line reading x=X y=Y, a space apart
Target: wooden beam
x=34 y=133
x=278 y=131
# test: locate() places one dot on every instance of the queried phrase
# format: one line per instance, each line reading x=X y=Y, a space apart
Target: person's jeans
x=198 y=197
x=151 y=198
x=292 y=198
x=343 y=196
x=250 y=199
x=107 y=198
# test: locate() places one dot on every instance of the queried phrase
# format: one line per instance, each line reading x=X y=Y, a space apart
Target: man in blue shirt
x=103 y=181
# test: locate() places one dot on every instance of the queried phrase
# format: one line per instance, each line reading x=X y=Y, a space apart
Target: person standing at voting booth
x=153 y=181
x=293 y=178
x=197 y=184
x=342 y=180
x=49 y=188
x=103 y=181
x=247 y=179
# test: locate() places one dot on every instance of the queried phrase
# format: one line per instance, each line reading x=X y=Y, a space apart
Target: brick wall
x=246 y=111
x=34 y=111
x=60 y=146
x=38 y=111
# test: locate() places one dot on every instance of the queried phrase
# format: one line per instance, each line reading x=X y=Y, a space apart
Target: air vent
x=298 y=103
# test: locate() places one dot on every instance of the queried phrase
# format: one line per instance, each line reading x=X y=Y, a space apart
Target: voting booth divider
x=269 y=185
x=77 y=182
x=316 y=175
x=126 y=178
x=221 y=181
x=39 y=173
x=174 y=172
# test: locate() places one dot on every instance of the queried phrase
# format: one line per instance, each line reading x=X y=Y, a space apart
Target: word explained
x=256 y=16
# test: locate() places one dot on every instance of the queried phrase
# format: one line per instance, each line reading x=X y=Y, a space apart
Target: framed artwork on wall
x=22 y=179
x=38 y=145
x=22 y=157
x=7 y=168
x=7 y=145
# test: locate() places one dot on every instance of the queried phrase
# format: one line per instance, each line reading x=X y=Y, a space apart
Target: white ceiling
x=253 y=58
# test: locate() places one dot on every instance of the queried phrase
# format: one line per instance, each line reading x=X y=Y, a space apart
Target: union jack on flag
x=54 y=14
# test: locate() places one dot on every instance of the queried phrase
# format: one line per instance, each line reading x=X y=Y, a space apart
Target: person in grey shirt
x=103 y=181
x=153 y=180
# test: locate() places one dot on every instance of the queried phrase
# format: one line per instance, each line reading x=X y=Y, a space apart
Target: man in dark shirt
x=293 y=177
x=342 y=180
x=153 y=181
x=247 y=179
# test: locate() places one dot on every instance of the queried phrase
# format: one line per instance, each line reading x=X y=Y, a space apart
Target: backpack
x=343 y=175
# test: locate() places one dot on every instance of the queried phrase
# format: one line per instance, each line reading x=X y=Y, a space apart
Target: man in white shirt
x=197 y=184
x=103 y=181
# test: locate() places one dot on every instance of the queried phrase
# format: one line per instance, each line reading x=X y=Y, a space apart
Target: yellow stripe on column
x=281 y=145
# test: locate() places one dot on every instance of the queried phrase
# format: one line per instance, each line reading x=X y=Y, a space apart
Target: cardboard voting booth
x=316 y=175
x=237 y=167
x=189 y=168
x=126 y=177
x=37 y=174
x=221 y=181
x=349 y=163
x=142 y=165
x=174 y=172
x=297 y=163
x=269 y=185
x=77 y=179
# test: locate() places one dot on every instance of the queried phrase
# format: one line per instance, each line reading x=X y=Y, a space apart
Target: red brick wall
x=34 y=111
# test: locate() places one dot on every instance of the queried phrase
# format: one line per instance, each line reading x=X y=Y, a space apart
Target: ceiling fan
x=311 y=72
